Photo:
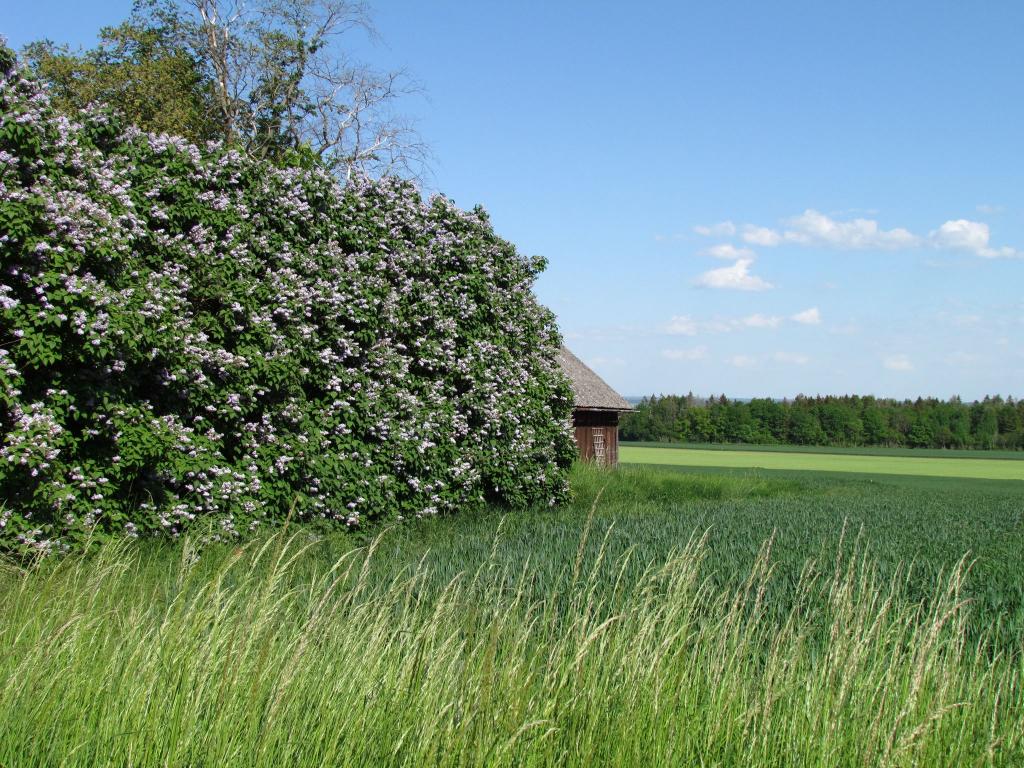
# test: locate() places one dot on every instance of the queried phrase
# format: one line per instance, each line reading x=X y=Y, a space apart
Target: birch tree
x=283 y=79
x=272 y=76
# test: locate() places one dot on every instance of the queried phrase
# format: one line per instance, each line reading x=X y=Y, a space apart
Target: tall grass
x=266 y=655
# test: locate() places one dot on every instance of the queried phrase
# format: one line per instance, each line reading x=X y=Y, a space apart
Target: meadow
x=666 y=617
x=864 y=461
x=856 y=450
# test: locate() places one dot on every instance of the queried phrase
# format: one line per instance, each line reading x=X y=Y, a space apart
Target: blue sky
x=750 y=198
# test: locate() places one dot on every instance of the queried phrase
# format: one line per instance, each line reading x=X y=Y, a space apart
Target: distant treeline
x=849 y=420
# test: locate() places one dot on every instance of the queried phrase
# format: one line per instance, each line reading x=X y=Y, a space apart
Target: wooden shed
x=596 y=409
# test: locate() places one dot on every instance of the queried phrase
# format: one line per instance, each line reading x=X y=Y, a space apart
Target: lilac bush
x=191 y=338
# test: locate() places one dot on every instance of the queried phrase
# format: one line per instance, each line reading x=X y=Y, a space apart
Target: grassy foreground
x=523 y=640
x=927 y=466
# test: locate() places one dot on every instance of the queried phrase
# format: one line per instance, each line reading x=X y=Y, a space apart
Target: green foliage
x=141 y=71
x=829 y=421
x=192 y=338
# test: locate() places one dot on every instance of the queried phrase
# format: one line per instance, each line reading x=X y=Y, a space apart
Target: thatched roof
x=589 y=389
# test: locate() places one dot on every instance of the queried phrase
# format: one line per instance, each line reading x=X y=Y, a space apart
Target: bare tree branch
x=282 y=81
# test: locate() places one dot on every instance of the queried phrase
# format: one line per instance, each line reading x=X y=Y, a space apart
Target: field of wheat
x=665 y=619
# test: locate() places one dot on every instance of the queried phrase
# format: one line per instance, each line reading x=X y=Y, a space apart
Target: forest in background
x=848 y=420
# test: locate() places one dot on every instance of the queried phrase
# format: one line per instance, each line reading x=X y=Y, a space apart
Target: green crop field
x=859 y=450
x=865 y=464
x=666 y=617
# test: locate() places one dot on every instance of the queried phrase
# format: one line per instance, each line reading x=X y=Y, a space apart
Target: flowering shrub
x=188 y=336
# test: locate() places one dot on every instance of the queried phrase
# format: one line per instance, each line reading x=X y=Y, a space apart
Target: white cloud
x=684 y=325
x=721 y=229
x=696 y=353
x=736 y=278
x=898 y=363
x=681 y=325
x=961 y=234
x=989 y=209
x=815 y=228
x=761 y=236
x=729 y=251
x=1003 y=252
x=790 y=357
x=743 y=361
x=808 y=317
x=971 y=236
x=761 y=321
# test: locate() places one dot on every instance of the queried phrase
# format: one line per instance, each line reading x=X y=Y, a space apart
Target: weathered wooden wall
x=597 y=432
